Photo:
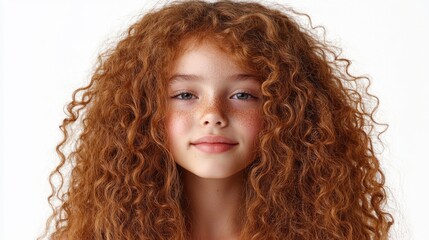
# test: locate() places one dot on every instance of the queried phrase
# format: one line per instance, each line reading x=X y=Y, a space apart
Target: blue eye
x=240 y=96
x=184 y=96
x=244 y=96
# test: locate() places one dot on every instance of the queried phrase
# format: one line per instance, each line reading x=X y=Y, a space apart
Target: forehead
x=194 y=54
x=197 y=60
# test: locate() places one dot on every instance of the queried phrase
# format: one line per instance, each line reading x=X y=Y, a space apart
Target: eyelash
x=248 y=94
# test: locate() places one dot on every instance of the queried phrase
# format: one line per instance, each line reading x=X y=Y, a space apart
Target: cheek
x=177 y=123
x=250 y=122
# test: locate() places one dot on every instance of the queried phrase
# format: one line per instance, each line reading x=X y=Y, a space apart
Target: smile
x=214 y=147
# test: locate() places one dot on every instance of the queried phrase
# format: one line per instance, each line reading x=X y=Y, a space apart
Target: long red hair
x=316 y=174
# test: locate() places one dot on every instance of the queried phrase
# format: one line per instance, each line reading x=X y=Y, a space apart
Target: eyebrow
x=193 y=77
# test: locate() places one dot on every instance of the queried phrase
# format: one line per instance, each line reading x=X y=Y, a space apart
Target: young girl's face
x=214 y=113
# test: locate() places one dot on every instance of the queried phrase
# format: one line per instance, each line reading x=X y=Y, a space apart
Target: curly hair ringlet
x=316 y=175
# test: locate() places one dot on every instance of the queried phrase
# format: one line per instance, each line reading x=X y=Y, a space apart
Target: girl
x=223 y=120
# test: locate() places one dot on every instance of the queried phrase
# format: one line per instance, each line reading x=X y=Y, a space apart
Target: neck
x=214 y=205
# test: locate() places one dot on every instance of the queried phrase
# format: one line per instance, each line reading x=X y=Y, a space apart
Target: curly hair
x=316 y=174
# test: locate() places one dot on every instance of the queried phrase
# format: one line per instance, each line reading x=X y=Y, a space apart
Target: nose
x=214 y=115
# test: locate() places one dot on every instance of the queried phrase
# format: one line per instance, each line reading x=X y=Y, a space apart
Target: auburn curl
x=316 y=174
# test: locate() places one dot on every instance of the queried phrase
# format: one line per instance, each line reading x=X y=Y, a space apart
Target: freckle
x=216 y=105
x=186 y=115
x=249 y=117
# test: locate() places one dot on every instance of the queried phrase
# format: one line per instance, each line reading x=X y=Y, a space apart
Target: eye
x=184 y=96
x=244 y=96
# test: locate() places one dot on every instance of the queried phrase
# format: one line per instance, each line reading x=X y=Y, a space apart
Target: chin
x=219 y=174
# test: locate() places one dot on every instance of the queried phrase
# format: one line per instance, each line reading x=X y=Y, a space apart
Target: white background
x=49 y=48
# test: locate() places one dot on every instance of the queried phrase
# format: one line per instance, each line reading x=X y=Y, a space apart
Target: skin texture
x=213 y=104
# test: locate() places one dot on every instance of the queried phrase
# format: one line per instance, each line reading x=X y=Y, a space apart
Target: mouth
x=214 y=147
x=214 y=144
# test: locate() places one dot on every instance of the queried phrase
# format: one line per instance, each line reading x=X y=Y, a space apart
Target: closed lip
x=214 y=139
